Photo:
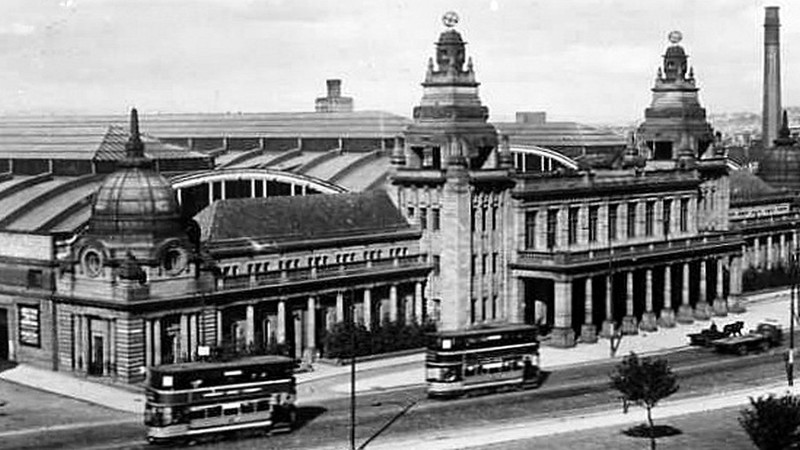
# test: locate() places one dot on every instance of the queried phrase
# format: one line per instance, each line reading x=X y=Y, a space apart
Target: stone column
x=340 y=306
x=393 y=303
x=720 y=302
x=192 y=344
x=588 y=330
x=220 y=334
x=782 y=260
x=648 y=322
x=770 y=253
x=685 y=313
x=667 y=318
x=562 y=334
x=250 y=329
x=368 y=308
x=148 y=343
x=735 y=289
x=184 y=339
x=629 y=321
x=608 y=324
x=311 y=330
x=702 y=310
x=280 y=332
x=419 y=316
x=156 y=342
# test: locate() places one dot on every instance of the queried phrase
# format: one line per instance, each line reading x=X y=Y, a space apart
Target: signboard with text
x=29 y=325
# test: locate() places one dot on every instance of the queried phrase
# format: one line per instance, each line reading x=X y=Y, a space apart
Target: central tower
x=453 y=181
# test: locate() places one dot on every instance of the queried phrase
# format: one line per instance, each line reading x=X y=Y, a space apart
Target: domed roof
x=450 y=37
x=135 y=197
x=674 y=51
x=781 y=164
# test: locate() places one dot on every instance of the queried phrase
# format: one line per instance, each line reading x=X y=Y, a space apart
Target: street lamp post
x=352 y=372
x=790 y=355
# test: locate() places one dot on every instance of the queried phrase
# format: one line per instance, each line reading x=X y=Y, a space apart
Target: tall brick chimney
x=771 y=115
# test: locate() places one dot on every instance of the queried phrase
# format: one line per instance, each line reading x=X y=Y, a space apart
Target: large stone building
x=263 y=230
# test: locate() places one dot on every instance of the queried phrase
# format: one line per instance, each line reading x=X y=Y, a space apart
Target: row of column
x=223 y=194
x=703 y=310
x=764 y=254
x=189 y=336
x=87 y=334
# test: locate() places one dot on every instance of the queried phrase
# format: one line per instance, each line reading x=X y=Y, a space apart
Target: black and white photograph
x=396 y=224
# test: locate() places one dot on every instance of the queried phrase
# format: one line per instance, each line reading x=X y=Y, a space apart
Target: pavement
x=763 y=306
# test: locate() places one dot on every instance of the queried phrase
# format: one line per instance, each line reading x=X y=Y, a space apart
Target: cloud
x=17 y=29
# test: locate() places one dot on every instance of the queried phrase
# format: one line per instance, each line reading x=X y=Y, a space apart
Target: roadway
x=405 y=413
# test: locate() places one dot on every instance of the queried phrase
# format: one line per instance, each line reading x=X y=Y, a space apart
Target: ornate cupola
x=450 y=124
x=136 y=231
x=675 y=123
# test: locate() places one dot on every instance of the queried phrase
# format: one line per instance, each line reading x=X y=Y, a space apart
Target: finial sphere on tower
x=675 y=36
x=450 y=19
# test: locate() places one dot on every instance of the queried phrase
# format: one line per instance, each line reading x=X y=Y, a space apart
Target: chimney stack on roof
x=334 y=102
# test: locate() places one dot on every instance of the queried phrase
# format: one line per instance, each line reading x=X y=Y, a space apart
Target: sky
x=590 y=61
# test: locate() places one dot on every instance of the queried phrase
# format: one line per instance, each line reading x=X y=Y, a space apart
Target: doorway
x=3 y=334
x=96 y=364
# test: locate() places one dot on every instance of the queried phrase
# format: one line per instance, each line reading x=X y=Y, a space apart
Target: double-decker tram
x=190 y=400
x=484 y=359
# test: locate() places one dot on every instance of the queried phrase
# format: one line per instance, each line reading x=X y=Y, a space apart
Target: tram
x=188 y=401
x=489 y=358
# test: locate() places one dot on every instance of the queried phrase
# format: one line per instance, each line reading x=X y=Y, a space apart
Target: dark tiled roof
x=559 y=134
x=285 y=219
x=745 y=186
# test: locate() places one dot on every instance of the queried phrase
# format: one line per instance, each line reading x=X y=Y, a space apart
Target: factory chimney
x=771 y=116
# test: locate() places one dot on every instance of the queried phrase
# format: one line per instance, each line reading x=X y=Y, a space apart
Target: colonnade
x=676 y=307
x=192 y=329
x=770 y=251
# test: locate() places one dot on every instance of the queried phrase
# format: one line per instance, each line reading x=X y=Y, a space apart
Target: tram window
x=230 y=411
x=247 y=408
x=197 y=414
x=215 y=411
x=263 y=405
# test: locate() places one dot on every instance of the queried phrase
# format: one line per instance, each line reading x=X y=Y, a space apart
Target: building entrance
x=3 y=334
x=97 y=362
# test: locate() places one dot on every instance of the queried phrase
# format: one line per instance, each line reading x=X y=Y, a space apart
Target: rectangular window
x=483 y=265
x=474 y=263
x=494 y=262
x=423 y=218
x=649 y=217
x=552 y=225
x=473 y=211
x=484 y=212
x=631 y=220
x=437 y=263
x=436 y=218
x=530 y=229
x=494 y=218
x=35 y=278
x=572 y=226
x=593 y=213
x=28 y=324
x=667 y=216
x=684 y=214
x=410 y=212
x=612 y=222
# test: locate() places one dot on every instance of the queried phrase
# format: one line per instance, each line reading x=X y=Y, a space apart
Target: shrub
x=388 y=337
x=772 y=422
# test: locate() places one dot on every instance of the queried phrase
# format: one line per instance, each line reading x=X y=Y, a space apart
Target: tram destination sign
x=29 y=325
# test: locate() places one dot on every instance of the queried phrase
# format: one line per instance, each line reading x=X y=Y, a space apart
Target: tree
x=773 y=423
x=644 y=382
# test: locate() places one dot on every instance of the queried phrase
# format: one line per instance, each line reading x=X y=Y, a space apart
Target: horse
x=733 y=329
